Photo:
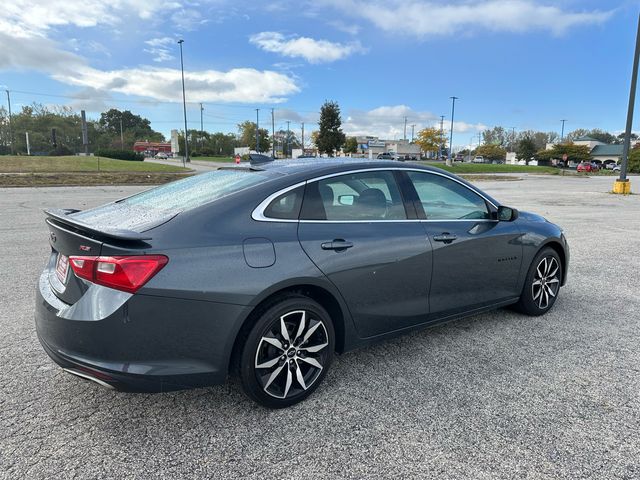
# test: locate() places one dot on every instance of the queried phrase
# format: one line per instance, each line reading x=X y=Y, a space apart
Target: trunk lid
x=69 y=236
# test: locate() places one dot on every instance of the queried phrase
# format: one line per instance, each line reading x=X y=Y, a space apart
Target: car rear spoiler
x=61 y=215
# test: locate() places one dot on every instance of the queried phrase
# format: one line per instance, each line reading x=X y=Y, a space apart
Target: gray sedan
x=266 y=271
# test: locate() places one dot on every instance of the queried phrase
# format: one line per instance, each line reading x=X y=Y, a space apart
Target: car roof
x=321 y=164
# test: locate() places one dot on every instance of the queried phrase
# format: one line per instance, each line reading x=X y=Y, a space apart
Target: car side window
x=286 y=206
x=446 y=199
x=357 y=196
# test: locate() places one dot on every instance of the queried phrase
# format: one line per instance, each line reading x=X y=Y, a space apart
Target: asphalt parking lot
x=497 y=395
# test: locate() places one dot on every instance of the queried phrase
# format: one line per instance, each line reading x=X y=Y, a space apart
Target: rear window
x=152 y=207
x=197 y=190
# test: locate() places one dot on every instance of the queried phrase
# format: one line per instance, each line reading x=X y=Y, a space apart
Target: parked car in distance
x=267 y=271
x=162 y=155
x=478 y=159
x=616 y=168
x=587 y=167
x=385 y=156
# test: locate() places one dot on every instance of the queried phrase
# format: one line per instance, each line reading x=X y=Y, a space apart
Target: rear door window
x=354 y=197
x=286 y=206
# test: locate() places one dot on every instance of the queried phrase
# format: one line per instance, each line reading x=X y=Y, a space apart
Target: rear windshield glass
x=152 y=207
x=195 y=191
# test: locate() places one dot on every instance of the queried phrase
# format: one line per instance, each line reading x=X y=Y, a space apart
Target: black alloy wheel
x=288 y=352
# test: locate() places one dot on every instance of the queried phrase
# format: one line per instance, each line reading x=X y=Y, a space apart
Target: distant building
x=601 y=152
x=152 y=148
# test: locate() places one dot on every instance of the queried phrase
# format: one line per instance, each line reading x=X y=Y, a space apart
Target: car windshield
x=153 y=207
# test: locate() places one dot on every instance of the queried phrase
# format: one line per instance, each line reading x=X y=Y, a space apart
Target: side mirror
x=346 y=199
x=507 y=214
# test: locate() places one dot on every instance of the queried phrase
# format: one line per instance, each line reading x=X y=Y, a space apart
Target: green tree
x=495 y=136
x=491 y=152
x=596 y=134
x=634 y=159
x=286 y=141
x=526 y=149
x=541 y=139
x=247 y=136
x=330 y=137
x=430 y=139
x=350 y=145
x=134 y=128
x=574 y=153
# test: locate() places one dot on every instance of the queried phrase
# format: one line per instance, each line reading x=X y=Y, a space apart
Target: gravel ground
x=497 y=395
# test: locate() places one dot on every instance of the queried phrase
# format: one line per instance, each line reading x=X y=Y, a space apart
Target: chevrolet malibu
x=267 y=271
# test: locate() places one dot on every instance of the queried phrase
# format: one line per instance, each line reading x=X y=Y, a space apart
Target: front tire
x=287 y=352
x=542 y=284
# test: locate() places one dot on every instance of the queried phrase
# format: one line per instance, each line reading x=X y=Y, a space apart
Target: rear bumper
x=146 y=343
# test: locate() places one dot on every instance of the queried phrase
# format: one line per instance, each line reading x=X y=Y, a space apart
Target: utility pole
x=26 y=136
x=479 y=138
x=623 y=185
x=413 y=126
x=453 y=110
x=257 y=131
x=121 y=135
x=273 y=135
x=201 y=126
x=303 y=138
x=185 y=159
x=288 y=140
x=10 y=126
x=85 y=135
x=404 y=137
x=441 y=136
x=562 y=131
x=513 y=139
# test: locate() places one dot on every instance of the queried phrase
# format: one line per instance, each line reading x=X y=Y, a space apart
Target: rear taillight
x=122 y=273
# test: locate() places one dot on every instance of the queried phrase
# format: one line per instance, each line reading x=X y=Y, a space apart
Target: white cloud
x=313 y=51
x=35 y=17
x=236 y=85
x=387 y=122
x=188 y=19
x=158 y=48
x=428 y=18
x=26 y=32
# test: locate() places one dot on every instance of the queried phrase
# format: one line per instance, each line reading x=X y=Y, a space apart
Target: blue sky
x=515 y=63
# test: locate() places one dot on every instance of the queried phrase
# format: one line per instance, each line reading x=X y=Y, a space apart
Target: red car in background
x=587 y=167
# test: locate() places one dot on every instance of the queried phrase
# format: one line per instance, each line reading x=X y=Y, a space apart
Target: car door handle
x=445 y=237
x=337 y=244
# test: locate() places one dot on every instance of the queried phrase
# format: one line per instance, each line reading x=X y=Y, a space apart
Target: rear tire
x=287 y=352
x=542 y=284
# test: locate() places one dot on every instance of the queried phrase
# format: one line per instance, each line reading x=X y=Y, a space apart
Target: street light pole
x=10 y=126
x=273 y=135
x=562 y=131
x=623 y=185
x=413 y=126
x=121 y=134
x=184 y=108
x=453 y=109
x=404 y=137
x=257 y=131
x=441 y=135
x=201 y=127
